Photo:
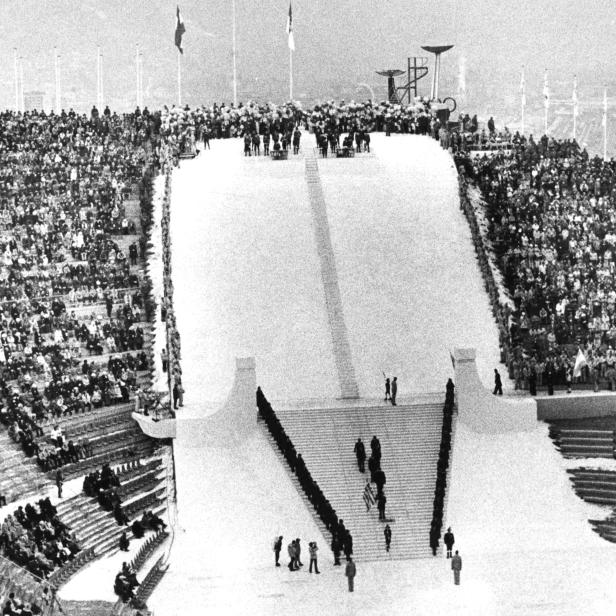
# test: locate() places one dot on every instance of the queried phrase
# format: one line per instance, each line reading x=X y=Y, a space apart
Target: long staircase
x=329 y=276
x=410 y=438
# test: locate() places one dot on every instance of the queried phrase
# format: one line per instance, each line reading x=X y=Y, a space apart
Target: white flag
x=546 y=91
x=580 y=362
x=574 y=97
x=290 y=29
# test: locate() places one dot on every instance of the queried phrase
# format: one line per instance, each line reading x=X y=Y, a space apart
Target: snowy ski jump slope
x=246 y=268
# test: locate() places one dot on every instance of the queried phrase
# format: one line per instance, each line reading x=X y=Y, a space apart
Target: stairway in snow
x=410 y=439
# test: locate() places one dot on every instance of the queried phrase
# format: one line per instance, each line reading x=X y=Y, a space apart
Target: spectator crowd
x=552 y=231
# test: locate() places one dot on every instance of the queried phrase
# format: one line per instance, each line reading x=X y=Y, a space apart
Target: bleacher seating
x=141 y=488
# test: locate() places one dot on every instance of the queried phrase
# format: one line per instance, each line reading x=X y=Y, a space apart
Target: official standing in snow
x=381 y=502
x=277 y=548
x=312 y=548
x=387 y=390
x=498 y=384
x=350 y=572
x=375 y=445
x=394 y=390
x=456 y=565
x=449 y=540
x=387 y=533
x=360 y=454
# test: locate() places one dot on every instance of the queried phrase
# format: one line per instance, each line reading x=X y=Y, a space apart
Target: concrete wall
x=575 y=406
x=483 y=412
x=237 y=418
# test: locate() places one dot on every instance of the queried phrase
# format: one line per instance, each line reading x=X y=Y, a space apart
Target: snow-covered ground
x=247 y=281
x=246 y=268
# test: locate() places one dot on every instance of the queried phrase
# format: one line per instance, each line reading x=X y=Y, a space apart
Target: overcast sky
x=336 y=40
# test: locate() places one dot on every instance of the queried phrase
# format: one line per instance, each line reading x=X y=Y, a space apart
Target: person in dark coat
x=381 y=501
x=387 y=389
x=449 y=390
x=375 y=446
x=449 y=540
x=298 y=553
x=456 y=565
x=124 y=542
x=532 y=381
x=360 y=454
x=335 y=545
x=387 y=533
x=498 y=384
x=380 y=480
x=350 y=572
x=373 y=467
x=59 y=481
x=277 y=549
x=348 y=545
x=394 y=391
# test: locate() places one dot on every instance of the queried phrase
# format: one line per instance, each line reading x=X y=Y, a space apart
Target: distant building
x=34 y=100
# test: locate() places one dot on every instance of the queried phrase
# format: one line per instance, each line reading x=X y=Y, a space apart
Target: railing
x=441 y=473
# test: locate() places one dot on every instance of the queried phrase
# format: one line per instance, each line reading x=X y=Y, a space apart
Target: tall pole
x=21 y=83
x=138 y=97
x=575 y=107
x=523 y=98
x=58 y=104
x=16 y=80
x=234 y=57
x=99 y=85
x=604 y=123
x=546 y=102
x=179 y=79
x=290 y=74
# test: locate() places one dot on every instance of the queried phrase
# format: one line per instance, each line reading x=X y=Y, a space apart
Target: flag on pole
x=453 y=360
x=574 y=97
x=523 y=88
x=604 y=120
x=179 y=30
x=546 y=90
x=290 y=29
x=580 y=362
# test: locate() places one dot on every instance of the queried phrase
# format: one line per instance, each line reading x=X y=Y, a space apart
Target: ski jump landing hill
x=311 y=278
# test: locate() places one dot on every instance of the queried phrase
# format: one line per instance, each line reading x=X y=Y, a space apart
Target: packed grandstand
x=80 y=312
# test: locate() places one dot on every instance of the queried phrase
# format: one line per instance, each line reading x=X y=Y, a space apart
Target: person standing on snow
x=456 y=565
x=350 y=572
x=449 y=540
x=387 y=533
x=312 y=548
x=277 y=549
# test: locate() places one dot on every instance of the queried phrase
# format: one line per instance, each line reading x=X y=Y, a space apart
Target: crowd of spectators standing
x=35 y=539
x=552 y=229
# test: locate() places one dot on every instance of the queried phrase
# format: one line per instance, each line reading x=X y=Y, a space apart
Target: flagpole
x=137 y=73
x=523 y=101
x=21 y=83
x=546 y=102
x=575 y=110
x=290 y=74
x=234 y=58
x=605 y=124
x=179 y=80
x=57 y=71
x=16 y=80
